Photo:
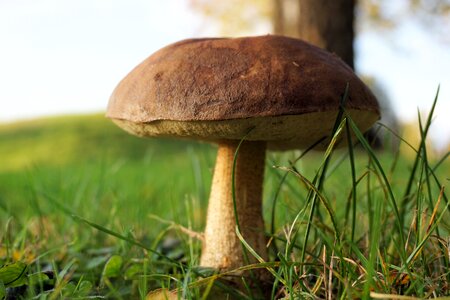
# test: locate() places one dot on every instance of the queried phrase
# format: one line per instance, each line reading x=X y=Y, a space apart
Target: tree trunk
x=328 y=25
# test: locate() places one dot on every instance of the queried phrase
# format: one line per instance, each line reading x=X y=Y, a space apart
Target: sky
x=66 y=56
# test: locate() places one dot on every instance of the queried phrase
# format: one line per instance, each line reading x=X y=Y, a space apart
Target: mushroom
x=280 y=93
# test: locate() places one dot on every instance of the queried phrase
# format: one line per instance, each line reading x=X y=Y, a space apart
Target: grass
x=87 y=211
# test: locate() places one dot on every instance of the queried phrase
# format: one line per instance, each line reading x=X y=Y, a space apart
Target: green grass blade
x=353 y=172
x=409 y=185
x=103 y=229
x=233 y=191
x=122 y=237
x=321 y=197
x=282 y=180
x=320 y=178
x=259 y=258
x=377 y=163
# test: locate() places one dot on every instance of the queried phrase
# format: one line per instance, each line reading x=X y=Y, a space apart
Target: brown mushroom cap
x=212 y=89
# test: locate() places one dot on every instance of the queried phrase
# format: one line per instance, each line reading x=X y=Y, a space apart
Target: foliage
x=243 y=17
x=386 y=14
x=223 y=14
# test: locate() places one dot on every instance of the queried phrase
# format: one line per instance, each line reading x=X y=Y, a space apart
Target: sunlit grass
x=79 y=200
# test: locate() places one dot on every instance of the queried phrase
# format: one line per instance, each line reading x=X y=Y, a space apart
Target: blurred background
x=66 y=57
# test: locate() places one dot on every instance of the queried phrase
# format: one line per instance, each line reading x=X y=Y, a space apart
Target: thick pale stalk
x=222 y=248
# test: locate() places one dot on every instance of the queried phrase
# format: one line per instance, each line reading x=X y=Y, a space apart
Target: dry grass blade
x=162 y=294
x=259 y=258
x=330 y=276
x=435 y=210
x=392 y=297
x=191 y=233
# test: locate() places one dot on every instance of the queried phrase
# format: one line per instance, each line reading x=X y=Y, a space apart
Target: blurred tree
x=327 y=24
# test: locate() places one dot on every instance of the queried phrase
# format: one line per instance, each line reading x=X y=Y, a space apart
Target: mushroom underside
x=280 y=132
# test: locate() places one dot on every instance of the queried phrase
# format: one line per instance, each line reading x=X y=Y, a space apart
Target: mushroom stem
x=222 y=248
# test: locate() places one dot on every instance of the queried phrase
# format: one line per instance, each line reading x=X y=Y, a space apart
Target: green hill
x=64 y=140
x=88 y=163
